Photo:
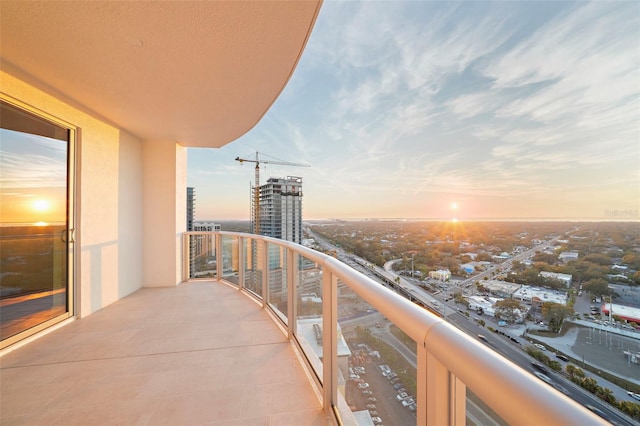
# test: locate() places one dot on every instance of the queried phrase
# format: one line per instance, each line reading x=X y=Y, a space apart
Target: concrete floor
x=198 y=353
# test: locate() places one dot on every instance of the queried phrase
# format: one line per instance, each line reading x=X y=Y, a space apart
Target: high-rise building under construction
x=280 y=209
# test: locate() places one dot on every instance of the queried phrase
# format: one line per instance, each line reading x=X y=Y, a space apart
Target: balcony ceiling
x=200 y=73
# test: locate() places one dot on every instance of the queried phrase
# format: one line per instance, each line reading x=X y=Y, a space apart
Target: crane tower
x=255 y=210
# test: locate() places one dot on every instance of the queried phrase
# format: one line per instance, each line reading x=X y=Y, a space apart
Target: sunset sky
x=32 y=179
x=508 y=109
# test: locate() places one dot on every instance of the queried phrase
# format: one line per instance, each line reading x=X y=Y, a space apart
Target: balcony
x=232 y=348
x=197 y=353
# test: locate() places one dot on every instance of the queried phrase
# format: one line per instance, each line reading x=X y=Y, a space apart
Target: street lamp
x=412 y=256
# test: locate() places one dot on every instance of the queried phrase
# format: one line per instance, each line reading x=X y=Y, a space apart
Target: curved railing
x=456 y=377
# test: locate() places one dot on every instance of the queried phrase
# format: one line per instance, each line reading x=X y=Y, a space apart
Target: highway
x=500 y=344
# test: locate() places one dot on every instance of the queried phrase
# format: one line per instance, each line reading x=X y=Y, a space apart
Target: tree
x=545 y=257
x=597 y=287
x=484 y=257
x=598 y=258
x=509 y=310
x=606 y=395
x=555 y=313
x=632 y=259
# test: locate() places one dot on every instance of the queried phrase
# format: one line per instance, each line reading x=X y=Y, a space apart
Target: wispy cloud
x=488 y=101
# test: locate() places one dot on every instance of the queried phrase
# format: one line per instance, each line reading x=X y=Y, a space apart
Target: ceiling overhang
x=199 y=73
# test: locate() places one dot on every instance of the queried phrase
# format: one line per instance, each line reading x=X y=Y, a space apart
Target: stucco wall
x=165 y=205
x=109 y=184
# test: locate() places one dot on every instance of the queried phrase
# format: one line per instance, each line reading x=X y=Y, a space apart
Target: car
x=412 y=407
x=354 y=377
x=397 y=386
x=401 y=396
x=370 y=407
x=376 y=420
x=542 y=377
x=373 y=413
x=634 y=395
x=360 y=370
x=539 y=367
x=541 y=347
x=364 y=385
x=371 y=399
x=407 y=402
x=562 y=357
x=367 y=392
x=483 y=337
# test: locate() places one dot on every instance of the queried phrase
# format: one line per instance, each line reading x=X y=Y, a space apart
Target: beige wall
x=165 y=216
x=110 y=188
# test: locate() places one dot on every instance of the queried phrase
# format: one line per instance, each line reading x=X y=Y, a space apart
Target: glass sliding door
x=36 y=221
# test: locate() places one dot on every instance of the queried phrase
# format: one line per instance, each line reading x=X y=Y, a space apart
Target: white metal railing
x=448 y=361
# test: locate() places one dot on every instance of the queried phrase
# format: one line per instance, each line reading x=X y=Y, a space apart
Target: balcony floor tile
x=198 y=353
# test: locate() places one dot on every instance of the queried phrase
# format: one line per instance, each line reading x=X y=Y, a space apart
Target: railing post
x=186 y=257
x=459 y=402
x=329 y=340
x=219 y=255
x=241 y=258
x=263 y=262
x=421 y=385
x=439 y=393
x=292 y=292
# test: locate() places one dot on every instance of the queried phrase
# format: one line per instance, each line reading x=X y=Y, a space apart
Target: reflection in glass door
x=35 y=219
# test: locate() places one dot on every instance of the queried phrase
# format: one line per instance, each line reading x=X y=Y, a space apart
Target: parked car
x=397 y=386
x=562 y=357
x=364 y=385
x=541 y=347
x=360 y=370
x=367 y=392
x=370 y=407
x=407 y=402
x=376 y=420
x=401 y=396
x=412 y=407
x=371 y=399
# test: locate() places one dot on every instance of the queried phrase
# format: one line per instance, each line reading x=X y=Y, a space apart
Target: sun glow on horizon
x=41 y=205
x=454 y=205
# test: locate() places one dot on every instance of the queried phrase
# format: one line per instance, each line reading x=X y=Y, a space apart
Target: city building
x=281 y=208
x=499 y=288
x=483 y=304
x=568 y=256
x=122 y=89
x=627 y=313
x=563 y=278
x=530 y=294
x=191 y=207
x=440 y=275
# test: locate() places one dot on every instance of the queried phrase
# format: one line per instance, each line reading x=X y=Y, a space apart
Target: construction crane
x=256 y=189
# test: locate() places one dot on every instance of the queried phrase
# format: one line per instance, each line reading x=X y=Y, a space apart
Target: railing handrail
x=490 y=376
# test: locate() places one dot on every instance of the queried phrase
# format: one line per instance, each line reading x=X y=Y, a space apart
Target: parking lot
x=378 y=396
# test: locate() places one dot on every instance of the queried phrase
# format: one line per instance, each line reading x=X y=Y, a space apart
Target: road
x=498 y=343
